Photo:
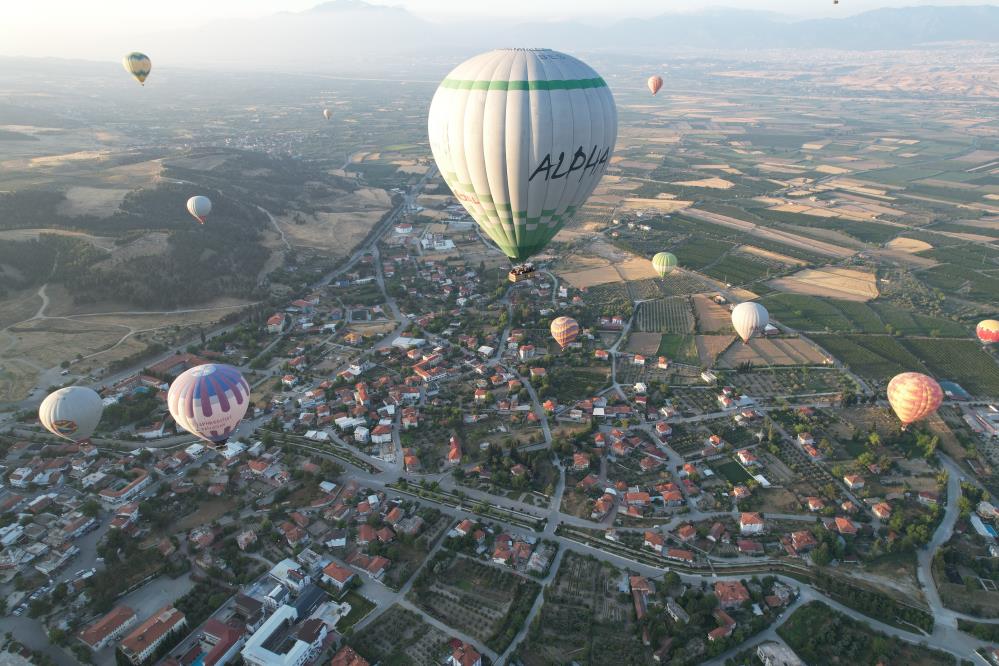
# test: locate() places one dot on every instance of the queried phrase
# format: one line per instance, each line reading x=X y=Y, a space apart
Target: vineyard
x=740 y=269
x=812 y=313
x=668 y=315
x=878 y=357
x=962 y=361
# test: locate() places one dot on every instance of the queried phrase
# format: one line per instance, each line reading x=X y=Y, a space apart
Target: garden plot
x=400 y=636
x=668 y=315
x=584 y=619
x=483 y=601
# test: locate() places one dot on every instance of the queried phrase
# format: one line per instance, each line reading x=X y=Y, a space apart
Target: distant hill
x=352 y=34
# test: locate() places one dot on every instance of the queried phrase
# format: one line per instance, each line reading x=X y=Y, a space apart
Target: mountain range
x=352 y=34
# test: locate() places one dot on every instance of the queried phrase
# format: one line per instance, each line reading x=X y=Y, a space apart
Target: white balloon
x=522 y=137
x=71 y=413
x=749 y=318
x=199 y=207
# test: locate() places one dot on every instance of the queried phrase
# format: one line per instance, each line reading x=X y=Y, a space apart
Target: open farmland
x=711 y=317
x=669 y=315
x=646 y=344
x=878 y=357
x=709 y=347
x=844 y=283
x=772 y=351
x=962 y=361
x=400 y=636
x=812 y=313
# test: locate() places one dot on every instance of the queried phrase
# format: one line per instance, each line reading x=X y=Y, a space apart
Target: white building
x=195 y=450
x=290 y=574
x=300 y=646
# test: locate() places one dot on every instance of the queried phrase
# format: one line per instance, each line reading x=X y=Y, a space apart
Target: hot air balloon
x=71 y=413
x=522 y=136
x=655 y=83
x=199 y=207
x=913 y=396
x=749 y=318
x=988 y=331
x=209 y=400
x=138 y=65
x=664 y=263
x=327 y=114
x=564 y=330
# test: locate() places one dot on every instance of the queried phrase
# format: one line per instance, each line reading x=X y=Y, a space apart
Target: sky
x=62 y=28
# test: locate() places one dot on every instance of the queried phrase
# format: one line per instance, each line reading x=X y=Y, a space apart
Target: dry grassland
x=772 y=351
x=711 y=183
x=910 y=245
x=710 y=315
x=643 y=343
x=709 y=347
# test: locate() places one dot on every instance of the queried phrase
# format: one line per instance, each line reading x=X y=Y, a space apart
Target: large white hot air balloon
x=209 y=400
x=199 y=206
x=749 y=319
x=71 y=413
x=522 y=136
x=327 y=114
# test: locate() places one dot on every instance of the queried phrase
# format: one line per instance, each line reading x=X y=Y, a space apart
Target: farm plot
x=877 y=357
x=679 y=348
x=739 y=269
x=668 y=315
x=844 y=283
x=912 y=323
x=483 y=601
x=711 y=317
x=731 y=471
x=584 y=620
x=400 y=636
x=640 y=290
x=681 y=283
x=646 y=344
x=772 y=351
x=608 y=299
x=709 y=347
x=693 y=401
x=962 y=361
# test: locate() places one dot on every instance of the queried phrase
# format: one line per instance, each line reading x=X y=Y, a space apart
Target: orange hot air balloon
x=988 y=331
x=914 y=396
x=655 y=83
x=565 y=330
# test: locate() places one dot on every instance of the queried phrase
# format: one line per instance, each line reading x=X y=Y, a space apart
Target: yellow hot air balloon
x=988 y=331
x=564 y=330
x=138 y=65
x=913 y=396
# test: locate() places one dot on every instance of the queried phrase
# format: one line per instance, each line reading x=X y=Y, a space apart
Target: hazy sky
x=65 y=28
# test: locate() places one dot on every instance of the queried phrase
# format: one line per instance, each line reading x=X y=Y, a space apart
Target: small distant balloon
x=71 y=413
x=655 y=83
x=564 y=330
x=138 y=65
x=209 y=400
x=749 y=319
x=327 y=114
x=199 y=207
x=664 y=263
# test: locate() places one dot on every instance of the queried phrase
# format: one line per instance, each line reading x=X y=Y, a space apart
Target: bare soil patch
x=843 y=283
x=772 y=351
x=643 y=343
x=709 y=347
x=711 y=183
x=711 y=316
x=910 y=245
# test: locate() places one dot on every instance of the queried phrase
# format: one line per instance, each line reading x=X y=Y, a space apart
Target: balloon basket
x=520 y=273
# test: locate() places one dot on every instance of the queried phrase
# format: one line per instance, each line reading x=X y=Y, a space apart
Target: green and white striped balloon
x=664 y=263
x=522 y=137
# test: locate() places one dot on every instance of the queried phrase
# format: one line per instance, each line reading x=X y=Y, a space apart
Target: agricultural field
x=647 y=344
x=682 y=283
x=679 y=348
x=843 y=283
x=711 y=317
x=668 y=315
x=584 y=619
x=790 y=381
x=772 y=351
x=483 y=601
x=878 y=357
x=400 y=636
x=731 y=471
x=710 y=347
x=961 y=361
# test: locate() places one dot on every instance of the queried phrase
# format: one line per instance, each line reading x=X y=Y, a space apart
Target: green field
x=680 y=348
x=962 y=361
x=877 y=357
x=811 y=313
x=732 y=471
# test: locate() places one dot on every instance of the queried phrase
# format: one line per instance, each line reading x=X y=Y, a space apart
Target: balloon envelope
x=71 y=413
x=655 y=83
x=664 y=263
x=199 y=207
x=988 y=331
x=749 y=318
x=914 y=396
x=522 y=136
x=209 y=400
x=138 y=65
x=327 y=114
x=564 y=330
